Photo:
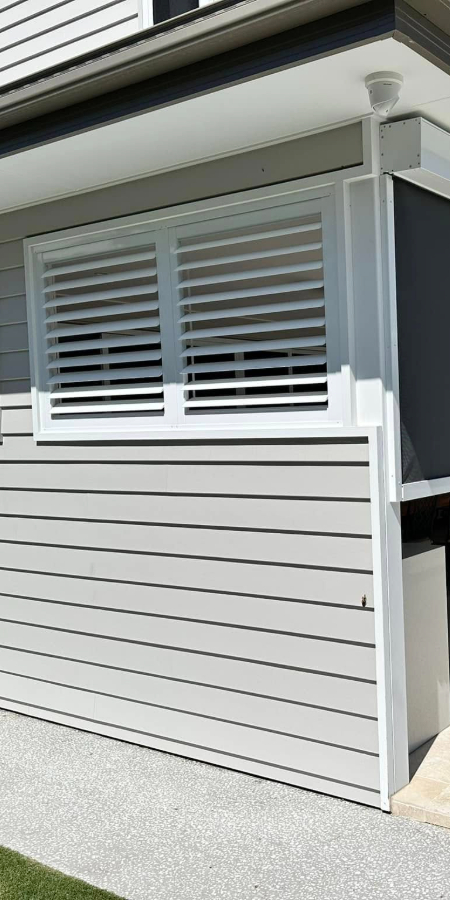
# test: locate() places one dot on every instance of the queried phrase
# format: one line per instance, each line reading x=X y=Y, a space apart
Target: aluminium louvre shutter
x=101 y=327
x=251 y=312
x=137 y=327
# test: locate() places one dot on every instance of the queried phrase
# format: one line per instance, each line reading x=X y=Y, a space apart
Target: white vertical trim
x=367 y=290
x=391 y=386
x=381 y=613
x=393 y=634
x=397 y=645
x=145 y=13
x=165 y=295
x=346 y=307
x=389 y=628
x=371 y=143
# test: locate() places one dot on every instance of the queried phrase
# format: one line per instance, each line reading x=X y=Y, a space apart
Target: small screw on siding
x=364 y=600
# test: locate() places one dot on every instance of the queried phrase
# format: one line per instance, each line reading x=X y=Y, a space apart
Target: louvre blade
x=94 y=263
x=248 y=257
x=112 y=277
x=245 y=238
x=275 y=400
x=254 y=327
x=123 y=325
x=102 y=375
x=102 y=359
x=103 y=312
x=272 y=290
x=257 y=309
x=254 y=346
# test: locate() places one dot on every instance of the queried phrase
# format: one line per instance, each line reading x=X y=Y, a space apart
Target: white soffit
x=302 y=99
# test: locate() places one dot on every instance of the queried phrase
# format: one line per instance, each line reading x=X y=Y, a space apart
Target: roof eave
x=211 y=30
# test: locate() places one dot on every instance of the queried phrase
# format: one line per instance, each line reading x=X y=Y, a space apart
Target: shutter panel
x=102 y=330
x=251 y=311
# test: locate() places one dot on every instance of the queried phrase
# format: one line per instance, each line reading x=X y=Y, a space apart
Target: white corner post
x=389 y=627
x=375 y=363
x=390 y=497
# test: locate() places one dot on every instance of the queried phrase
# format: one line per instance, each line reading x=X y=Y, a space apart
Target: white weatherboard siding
x=199 y=597
x=38 y=34
x=209 y=625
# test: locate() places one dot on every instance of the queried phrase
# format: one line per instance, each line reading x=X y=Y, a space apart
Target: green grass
x=24 y=879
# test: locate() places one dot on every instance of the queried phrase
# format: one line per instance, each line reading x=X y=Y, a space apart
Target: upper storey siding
x=38 y=34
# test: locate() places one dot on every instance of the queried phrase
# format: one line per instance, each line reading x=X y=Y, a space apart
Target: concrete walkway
x=156 y=827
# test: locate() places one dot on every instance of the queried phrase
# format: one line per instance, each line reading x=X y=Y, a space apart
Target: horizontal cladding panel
x=302 y=721
x=39 y=37
x=369 y=797
x=289 y=582
x=11 y=255
x=219 y=640
x=28 y=19
x=331 y=517
x=277 y=682
x=259 y=451
x=14 y=365
x=318 y=759
x=12 y=281
x=13 y=11
x=12 y=309
x=72 y=47
x=338 y=623
x=14 y=393
x=293 y=549
x=346 y=481
x=13 y=337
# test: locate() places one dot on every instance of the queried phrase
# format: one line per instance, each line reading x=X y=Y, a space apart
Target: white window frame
x=175 y=424
x=146 y=11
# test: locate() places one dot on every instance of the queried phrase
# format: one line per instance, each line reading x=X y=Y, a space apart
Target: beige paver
x=427 y=797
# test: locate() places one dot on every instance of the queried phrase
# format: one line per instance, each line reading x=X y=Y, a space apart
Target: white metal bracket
x=417 y=151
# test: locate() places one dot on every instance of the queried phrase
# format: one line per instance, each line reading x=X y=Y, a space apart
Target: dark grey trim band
x=419 y=33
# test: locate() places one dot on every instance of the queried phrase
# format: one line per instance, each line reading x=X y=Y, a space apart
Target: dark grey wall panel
x=422 y=235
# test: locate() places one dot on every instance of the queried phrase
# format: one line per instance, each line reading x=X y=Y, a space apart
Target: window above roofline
x=192 y=409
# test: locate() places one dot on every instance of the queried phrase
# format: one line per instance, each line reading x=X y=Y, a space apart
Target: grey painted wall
x=201 y=598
